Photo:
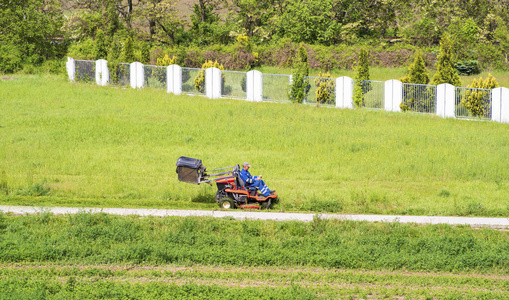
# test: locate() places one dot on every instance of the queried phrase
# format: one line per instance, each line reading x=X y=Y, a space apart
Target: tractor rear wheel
x=226 y=203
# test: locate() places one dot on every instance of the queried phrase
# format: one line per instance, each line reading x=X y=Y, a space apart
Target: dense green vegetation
x=91 y=256
x=87 y=238
x=85 y=145
x=104 y=256
x=243 y=33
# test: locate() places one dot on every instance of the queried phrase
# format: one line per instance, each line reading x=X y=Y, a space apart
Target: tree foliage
x=30 y=32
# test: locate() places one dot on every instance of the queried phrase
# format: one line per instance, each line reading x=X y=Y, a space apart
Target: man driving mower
x=254 y=181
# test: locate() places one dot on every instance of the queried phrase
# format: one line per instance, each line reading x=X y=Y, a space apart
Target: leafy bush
x=10 y=58
x=82 y=50
x=476 y=100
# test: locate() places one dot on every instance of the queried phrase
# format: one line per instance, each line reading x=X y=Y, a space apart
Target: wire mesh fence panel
x=473 y=103
x=124 y=74
x=420 y=98
x=322 y=90
x=85 y=70
x=193 y=81
x=233 y=84
x=372 y=93
x=154 y=76
x=275 y=87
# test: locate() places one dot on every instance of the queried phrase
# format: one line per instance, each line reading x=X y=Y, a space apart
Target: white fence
x=443 y=100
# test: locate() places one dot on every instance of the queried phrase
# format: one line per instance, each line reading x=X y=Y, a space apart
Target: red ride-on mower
x=231 y=189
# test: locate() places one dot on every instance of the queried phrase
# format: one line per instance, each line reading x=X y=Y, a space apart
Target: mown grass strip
x=84 y=145
x=248 y=282
x=99 y=238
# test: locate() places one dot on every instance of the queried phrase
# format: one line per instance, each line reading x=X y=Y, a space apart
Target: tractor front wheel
x=226 y=203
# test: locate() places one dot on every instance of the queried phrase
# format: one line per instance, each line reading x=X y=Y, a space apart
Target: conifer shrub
x=361 y=87
x=128 y=51
x=144 y=53
x=299 y=88
x=476 y=101
x=199 y=80
x=114 y=66
x=417 y=74
x=100 y=49
x=325 y=89
x=445 y=65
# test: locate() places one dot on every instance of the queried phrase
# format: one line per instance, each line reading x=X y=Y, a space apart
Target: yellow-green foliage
x=199 y=80
x=324 y=88
x=474 y=100
x=166 y=61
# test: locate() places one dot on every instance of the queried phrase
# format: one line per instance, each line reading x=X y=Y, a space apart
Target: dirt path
x=498 y=223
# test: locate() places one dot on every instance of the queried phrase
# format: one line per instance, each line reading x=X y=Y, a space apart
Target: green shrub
x=10 y=58
x=128 y=51
x=467 y=67
x=361 y=88
x=299 y=87
x=100 y=49
x=82 y=50
x=325 y=89
x=445 y=65
x=475 y=100
x=199 y=80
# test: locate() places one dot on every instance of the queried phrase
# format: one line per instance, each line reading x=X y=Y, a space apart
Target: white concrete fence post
x=213 y=83
x=344 y=92
x=102 y=74
x=137 y=75
x=70 y=65
x=500 y=105
x=174 y=79
x=446 y=100
x=254 y=86
x=393 y=95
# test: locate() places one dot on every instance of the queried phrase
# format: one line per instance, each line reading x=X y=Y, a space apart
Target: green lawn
x=75 y=144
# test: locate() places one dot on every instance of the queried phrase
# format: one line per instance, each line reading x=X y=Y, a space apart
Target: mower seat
x=242 y=184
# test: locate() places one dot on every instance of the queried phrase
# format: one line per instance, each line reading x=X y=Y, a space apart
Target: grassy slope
x=104 y=146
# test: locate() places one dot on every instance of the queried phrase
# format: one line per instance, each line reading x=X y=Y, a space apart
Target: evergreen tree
x=299 y=87
x=145 y=53
x=417 y=72
x=100 y=45
x=418 y=101
x=128 y=53
x=114 y=54
x=445 y=65
x=361 y=87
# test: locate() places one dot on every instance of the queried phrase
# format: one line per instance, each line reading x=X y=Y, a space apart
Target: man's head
x=246 y=166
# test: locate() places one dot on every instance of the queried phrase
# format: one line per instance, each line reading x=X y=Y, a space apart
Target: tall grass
x=85 y=145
